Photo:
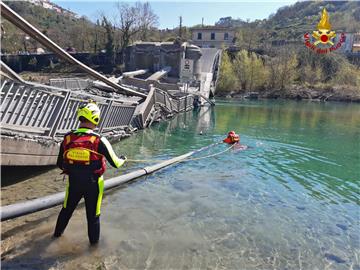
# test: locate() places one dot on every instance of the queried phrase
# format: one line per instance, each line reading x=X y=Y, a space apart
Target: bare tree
x=109 y=46
x=147 y=18
x=133 y=20
x=128 y=24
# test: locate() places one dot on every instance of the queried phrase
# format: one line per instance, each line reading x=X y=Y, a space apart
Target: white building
x=212 y=36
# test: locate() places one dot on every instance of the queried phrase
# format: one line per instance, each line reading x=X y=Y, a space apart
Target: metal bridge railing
x=171 y=103
x=119 y=115
x=51 y=111
x=25 y=106
x=70 y=83
x=163 y=98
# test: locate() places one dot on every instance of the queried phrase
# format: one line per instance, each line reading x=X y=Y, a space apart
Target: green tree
x=250 y=70
x=282 y=69
x=227 y=80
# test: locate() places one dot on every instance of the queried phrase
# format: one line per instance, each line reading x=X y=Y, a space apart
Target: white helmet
x=89 y=111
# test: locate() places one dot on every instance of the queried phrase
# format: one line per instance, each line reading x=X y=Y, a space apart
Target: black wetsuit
x=83 y=182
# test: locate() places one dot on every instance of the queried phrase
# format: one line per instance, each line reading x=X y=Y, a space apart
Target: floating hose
x=28 y=207
x=188 y=159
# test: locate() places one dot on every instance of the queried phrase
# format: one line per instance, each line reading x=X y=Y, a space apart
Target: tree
x=109 y=46
x=96 y=36
x=250 y=36
x=180 y=26
x=282 y=68
x=147 y=19
x=227 y=81
x=250 y=70
x=133 y=20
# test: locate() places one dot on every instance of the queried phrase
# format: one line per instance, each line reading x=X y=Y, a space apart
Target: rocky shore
x=297 y=92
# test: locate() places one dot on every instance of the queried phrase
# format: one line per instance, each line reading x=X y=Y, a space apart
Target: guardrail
x=70 y=83
x=163 y=98
x=50 y=111
x=172 y=104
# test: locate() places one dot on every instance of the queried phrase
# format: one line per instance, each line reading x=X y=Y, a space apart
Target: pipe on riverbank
x=28 y=207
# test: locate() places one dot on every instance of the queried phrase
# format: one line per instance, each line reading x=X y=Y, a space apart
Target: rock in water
x=342 y=226
x=334 y=258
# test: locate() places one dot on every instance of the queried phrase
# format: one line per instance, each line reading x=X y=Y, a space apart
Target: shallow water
x=291 y=201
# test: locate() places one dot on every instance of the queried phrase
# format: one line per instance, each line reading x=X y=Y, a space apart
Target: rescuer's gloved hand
x=122 y=160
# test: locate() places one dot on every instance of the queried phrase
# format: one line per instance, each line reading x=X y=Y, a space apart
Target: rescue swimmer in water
x=234 y=139
x=82 y=157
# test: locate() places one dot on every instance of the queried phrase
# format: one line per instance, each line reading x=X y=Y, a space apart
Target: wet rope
x=212 y=155
x=187 y=159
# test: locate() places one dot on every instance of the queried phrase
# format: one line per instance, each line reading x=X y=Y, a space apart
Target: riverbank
x=298 y=92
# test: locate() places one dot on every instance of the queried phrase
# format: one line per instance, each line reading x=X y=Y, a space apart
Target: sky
x=192 y=12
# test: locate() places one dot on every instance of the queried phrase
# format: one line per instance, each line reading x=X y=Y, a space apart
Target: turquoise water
x=291 y=201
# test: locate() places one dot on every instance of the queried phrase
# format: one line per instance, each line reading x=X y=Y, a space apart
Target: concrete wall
x=144 y=84
x=22 y=151
x=154 y=56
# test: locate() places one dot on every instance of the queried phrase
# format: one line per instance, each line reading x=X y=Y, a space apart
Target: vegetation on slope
x=291 y=68
x=67 y=31
x=247 y=71
x=133 y=22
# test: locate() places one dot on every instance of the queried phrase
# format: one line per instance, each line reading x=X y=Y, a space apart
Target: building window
x=199 y=36
x=226 y=36
x=212 y=36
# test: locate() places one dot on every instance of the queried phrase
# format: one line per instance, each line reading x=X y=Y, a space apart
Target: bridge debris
x=18 y=21
x=33 y=113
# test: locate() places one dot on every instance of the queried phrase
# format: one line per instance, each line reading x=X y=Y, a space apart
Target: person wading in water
x=82 y=157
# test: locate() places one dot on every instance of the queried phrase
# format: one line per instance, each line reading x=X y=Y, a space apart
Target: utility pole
x=180 y=26
x=202 y=21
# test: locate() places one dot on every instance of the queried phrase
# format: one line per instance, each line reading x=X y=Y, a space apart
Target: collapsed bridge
x=34 y=117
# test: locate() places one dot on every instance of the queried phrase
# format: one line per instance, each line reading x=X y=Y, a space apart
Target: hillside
x=291 y=22
x=65 y=30
x=271 y=58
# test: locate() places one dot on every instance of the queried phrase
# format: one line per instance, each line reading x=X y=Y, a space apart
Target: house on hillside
x=351 y=44
x=213 y=36
x=356 y=43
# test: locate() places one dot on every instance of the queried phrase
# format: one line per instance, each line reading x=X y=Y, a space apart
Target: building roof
x=212 y=28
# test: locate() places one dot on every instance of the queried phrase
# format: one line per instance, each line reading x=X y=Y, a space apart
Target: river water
x=290 y=201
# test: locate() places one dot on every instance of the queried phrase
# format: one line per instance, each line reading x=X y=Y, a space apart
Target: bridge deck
x=208 y=62
x=34 y=118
